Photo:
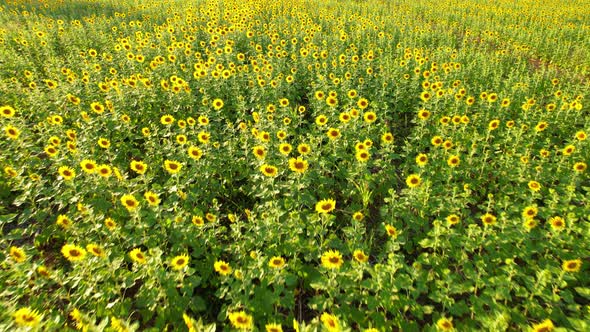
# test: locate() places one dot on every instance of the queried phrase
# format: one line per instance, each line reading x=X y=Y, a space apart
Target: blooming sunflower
x=51 y=151
x=104 y=170
x=195 y=153
x=63 y=221
x=285 y=148
x=240 y=320
x=362 y=155
x=104 y=143
x=421 y=159
x=137 y=256
x=360 y=256
x=269 y=170
x=573 y=265
x=488 y=219
x=88 y=166
x=73 y=252
x=413 y=180
x=273 y=327
x=25 y=317
x=222 y=268
x=534 y=186
x=330 y=322
x=18 y=254
x=217 y=104
x=152 y=198
x=557 y=223
x=321 y=120
x=303 y=149
x=544 y=326
x=453 y=219
x=259 y=152
x=530 y=212
x=387 y=138
x=129 y=202
x=391 y=231
x=580 y=167
x=179 y=262
x=138 y=167
x=332 y=259
x=12 y=132
x=95 y=250
x=370 y=117
x=172 y=166
x=276 y=262
x=298 y=165
x=7 y=111
x=167 y=119
x=444 y=324
x=325 y=206
x=333 y=133
x=362 y=103
x=66 y=172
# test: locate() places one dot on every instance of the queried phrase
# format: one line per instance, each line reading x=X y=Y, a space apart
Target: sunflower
x=167 y=119
x=557 y=223
x=580 y=167
x=544 y=326
x=421 y=159
x=568 y=150
x=273 y=327
x=436 y=141
x=195 y=153
x=303 y=149
x=333 y=133
x=453 y=219
x=572 y=265
x=360 y=256
x=319 y=95
x=110 y=224
x=63 y=221
x=17 y=254
x=73 y=253
x=25 y=317
x=276 y=262
x=530 y=212
x=217 y=104
x=66 y=172
x=330 y=322
x=7 y=111
x=541 y=126
x=332 y=101
x=453 y=161
x=344 y=117
x=240 y=320
x=362 y=103
x=332 y=259
x=104 y=170
x=129 y=202
x=104 y=143
x=285 y=148
x=222 y=268
x=494 y=124
x=198 y=221
x=97 y=108
x=391 y=231
x=298 y=165
x=152 y=198
x=444 y=324
x=321 y=120
x=95 y=250
x=181 y=139
x=179 y=262
x=269 y=170
x=325 y=206
x=534 y=186
x=530 y=223
x=51 y=151
x=423 y=114
x=581 y=135
x=488 y=219
x=413 y=180
x=358 y=216
x=204 y=137
x=88 y=166
x=387 y=138
x=12 y=132
x=137 y=256
x=362 y=155
x=138 y=167
x=172 y=166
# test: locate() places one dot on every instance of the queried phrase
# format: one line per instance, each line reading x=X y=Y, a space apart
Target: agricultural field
x=294 y=165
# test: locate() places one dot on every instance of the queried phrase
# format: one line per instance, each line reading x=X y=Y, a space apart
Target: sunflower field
x=294 y=165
